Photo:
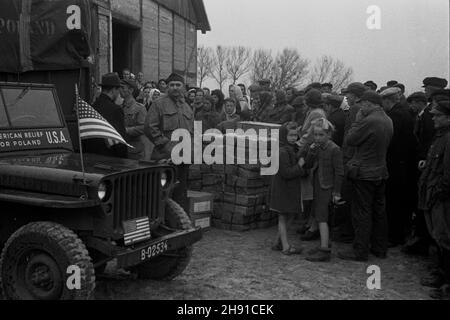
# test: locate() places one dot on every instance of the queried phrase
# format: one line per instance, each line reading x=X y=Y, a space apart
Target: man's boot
x=321 y=255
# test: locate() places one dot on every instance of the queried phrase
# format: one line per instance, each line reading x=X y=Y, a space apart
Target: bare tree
x=219 y=70
x=238 y=62
x=330 y=70
x=289 y=69
x=261 y=65
x=204 y=63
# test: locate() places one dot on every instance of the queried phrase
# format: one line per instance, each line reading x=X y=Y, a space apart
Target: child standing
x=324 y=160
x=285 y=191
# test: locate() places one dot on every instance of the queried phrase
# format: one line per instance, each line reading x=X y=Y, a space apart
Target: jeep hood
x=60 y=173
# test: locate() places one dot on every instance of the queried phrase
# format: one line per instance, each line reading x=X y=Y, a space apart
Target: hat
x=371 y=84
x=314 y=85
x=298 y=101
x=357 y=88
x=442 y=107
x=400 y=86
x=435 y=82
x=372 y=96
x=417 y=96
x=334 y=100
x=129 y=82
x=174 y=77
x=110 y=80
x=440 y=95
x=391 y=83
x=329 y=85
x=314 y=98
x=263 y=82
x=390 y=92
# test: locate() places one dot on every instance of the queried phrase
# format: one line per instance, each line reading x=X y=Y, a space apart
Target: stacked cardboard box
x=201 y=205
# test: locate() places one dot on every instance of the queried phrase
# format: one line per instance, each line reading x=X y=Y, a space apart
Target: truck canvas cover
x=45 y=35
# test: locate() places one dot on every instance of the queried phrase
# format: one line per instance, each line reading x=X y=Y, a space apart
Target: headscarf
x=152 y=92
x=323 y=123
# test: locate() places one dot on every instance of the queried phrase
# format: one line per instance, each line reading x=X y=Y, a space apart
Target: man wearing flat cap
x=367 y=172
x=432 y=84
x=108 y=109
x=371 y=85
x=434 y=198
x=401 y=163
x=167 y=114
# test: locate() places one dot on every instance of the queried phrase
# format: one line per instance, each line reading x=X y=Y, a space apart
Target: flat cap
x=417 y=96
x=440 y=95
x=334 y=100
x=357 y=88
x=372 y=96
x=442 y=107
x=110 y=80
x=175 y=77
x=314 y=98
x=327 y=85
x=264 y=82
x=391 y=83
x=371 y=85
x=390 y=92
x=435 y=82
x=129 y=82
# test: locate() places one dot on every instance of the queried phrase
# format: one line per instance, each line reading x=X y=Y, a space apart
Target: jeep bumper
x=148 y=250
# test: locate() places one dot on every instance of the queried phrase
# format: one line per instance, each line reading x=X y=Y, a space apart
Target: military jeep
x=58 y=221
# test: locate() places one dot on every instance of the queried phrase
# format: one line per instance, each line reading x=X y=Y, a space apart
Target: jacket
x=328 y=159
x=115 y=116
x=281 y=114
x=434 y=183
x=370 y=135
x=424 y=132
x=349 y=120
x=135 y=114
x=285 y=193
x=337 y=118
x=163 y=119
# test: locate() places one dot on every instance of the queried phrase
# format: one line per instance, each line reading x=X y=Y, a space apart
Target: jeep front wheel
x=35 y=264
x=171 y=264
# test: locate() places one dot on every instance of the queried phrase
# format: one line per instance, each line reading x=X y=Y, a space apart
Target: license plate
x=154 y=250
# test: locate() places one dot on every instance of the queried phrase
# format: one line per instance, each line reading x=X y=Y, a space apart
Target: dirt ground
x=232 y=265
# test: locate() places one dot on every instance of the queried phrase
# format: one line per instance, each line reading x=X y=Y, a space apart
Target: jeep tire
x=35 y=260
x=171 y=264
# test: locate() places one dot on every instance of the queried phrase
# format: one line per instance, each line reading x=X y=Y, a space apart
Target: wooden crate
x=200 y=202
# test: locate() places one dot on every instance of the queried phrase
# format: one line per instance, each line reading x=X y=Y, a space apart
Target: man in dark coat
x=434 y=198
x=400 y=161
x=424 y=132
x=370 y=134
x=105 y=105
x=283 y=112
x=336 y=116
x=169 y=113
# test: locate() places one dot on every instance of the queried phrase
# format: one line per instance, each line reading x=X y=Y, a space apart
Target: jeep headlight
x=164 y=179
x=102 y=191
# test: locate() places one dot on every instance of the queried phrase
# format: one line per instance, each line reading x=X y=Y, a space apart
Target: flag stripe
x=93 y=125
x=142 y=234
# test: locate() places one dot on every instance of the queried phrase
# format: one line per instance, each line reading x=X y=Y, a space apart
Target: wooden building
x=156 y=37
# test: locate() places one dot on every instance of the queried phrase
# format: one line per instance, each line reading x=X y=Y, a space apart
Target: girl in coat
x=324 y=160
x=285 y=190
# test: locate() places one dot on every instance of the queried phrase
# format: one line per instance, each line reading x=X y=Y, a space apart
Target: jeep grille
x=131 y=203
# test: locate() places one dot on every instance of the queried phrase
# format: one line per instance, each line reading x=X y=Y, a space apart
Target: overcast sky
x=413 y=42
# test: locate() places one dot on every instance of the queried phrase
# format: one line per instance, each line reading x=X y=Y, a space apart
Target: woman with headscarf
x=219 y=98
x=190 y=96
x=228 y=117
x=241 y=104
x=207 y=115
x=263 y=104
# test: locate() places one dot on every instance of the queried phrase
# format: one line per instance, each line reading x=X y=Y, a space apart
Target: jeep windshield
x=28 y=107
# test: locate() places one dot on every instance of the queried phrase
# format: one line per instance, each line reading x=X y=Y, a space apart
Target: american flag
x=136 y=230
x=93 y=125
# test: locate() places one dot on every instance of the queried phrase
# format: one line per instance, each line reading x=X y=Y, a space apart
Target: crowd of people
x=368 y=166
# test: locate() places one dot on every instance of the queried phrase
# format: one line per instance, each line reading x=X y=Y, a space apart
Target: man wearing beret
x=367 y=171
x=105 y=105
x=167 y=114
x=434 y=197
x=400 y=161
